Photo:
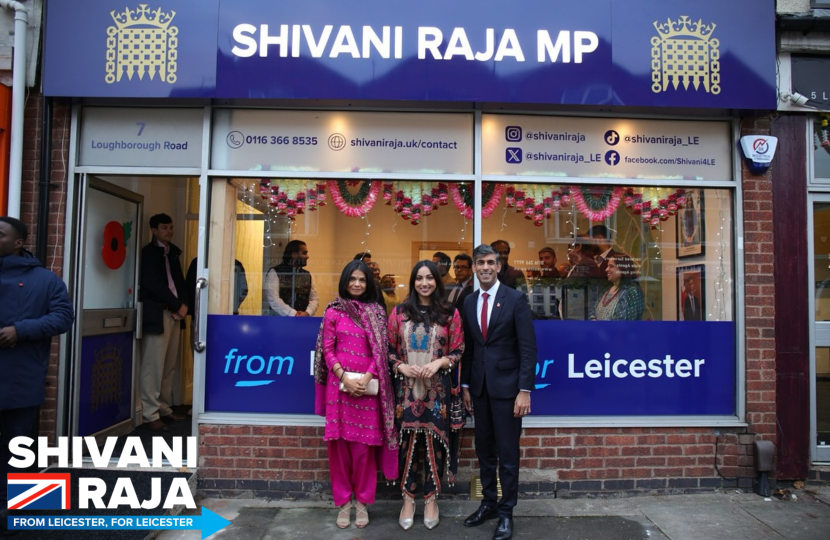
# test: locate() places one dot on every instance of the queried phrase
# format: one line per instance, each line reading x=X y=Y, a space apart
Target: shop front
x=411 y=133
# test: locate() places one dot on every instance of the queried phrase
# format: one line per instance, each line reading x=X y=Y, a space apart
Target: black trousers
x=13 y=423
x=497 y=446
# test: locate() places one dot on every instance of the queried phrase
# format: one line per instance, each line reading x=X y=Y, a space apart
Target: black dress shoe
x=504 y=530
x=480 y=516
x=156 y=425
x=173 y=417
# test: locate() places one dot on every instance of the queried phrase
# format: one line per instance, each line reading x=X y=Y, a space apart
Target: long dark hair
x=439 y=311
x=370 y=294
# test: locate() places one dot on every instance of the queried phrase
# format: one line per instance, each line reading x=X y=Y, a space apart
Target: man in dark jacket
x=34 y=307
x=162 y=292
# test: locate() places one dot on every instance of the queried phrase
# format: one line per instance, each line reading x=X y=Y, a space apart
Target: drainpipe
x=21 y=19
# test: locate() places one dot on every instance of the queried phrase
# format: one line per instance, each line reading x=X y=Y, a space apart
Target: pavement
x=721 y=514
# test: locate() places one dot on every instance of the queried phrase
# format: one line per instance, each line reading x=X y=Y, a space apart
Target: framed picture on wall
x=691 y=293
x=690 y=229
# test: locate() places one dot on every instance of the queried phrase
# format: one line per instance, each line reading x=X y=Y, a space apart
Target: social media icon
x=612 y=157
x=513 y=155
x=612 y=137
x=513 y=133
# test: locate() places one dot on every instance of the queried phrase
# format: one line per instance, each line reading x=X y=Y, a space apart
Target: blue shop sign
x=711 y=54
x=642 y=368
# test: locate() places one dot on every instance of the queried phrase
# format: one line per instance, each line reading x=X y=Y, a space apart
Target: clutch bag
x=371 y=388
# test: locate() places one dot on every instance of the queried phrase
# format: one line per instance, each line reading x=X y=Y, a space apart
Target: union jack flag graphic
x=39 y=491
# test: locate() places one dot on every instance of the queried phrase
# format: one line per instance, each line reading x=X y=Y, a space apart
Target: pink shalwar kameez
x=353 y=424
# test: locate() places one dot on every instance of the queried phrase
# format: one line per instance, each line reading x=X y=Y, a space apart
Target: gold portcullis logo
x=683 y=53
x=142 y=42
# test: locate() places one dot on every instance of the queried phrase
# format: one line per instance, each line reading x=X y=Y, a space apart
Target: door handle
x=198 y=344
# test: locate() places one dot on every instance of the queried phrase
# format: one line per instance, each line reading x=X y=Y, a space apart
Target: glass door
x=103 y=370
x=820 y=365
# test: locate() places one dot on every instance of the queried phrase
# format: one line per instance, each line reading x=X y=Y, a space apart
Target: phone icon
x=235 y=139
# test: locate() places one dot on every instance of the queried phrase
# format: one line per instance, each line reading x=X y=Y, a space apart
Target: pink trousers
x=353 y=470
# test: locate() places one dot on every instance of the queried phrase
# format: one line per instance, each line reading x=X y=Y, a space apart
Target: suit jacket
x=506 y=360
x=155 y=292
x=688 y=313
x=458 y=303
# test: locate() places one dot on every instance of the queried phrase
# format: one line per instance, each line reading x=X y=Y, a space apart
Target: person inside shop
x=164 y=295
x=542 y=284
x=289 y=287
x=602 y=237
x=443 y=262
x=691 y=299
x=240 y=284
x=624 y=301
x=547 y=264
x=366 y=257
x=509 y=276
x=497 y=375
x=462 y=265
x=389 y=290
x=35 y=307
x=584 y=280
x=425 y=345
x=354 y=393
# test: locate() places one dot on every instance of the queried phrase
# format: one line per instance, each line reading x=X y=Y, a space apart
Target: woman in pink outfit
x=360 y=431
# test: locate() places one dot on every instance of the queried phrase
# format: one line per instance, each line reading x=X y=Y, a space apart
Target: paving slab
x=318 y=524
x=804 y=519
x=717 y=517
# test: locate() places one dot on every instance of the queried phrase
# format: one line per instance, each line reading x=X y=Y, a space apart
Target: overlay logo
x=684 y=53
x=142 y=42
x=39 y=491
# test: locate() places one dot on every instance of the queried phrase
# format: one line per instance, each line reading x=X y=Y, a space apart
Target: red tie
x=484 y=315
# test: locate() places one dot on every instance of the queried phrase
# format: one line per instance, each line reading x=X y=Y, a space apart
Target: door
x=104 y=365
x=820 y=309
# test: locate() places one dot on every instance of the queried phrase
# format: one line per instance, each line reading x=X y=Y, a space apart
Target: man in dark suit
x=497 y=376
x=602 y=237
x=691 y=301
x=463 y=286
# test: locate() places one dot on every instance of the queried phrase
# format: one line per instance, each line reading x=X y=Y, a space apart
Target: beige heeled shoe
x=407 y=523
x=431 y=523
x=344 y=516
x=361 y=518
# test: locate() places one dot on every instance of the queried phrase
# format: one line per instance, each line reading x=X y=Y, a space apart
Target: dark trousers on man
x=497 y=434
x=13 y=423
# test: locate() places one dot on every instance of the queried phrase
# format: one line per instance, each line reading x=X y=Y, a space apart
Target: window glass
x=821 y=148
x=307 y=230
x=669 y=250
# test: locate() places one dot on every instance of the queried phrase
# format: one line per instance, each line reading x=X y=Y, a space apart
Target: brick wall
x=57 y=216
x=292 y=462
x=759 y=294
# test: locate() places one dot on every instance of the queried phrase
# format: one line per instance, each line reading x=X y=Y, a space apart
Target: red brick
x=588 y=463
x=619 y=440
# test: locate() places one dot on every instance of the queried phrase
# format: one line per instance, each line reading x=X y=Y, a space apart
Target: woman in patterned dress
x=624 y=301
x=425 y=345
x=360 y=429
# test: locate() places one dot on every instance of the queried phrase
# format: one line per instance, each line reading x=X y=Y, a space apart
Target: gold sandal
x=361 y=518
x=344 y=516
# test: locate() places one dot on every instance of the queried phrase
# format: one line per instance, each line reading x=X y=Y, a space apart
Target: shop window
x=395 y=223
x=821 y=149
x=671 y=247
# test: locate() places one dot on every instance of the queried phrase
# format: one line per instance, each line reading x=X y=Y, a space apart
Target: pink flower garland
x=355 y=211
x=466 y=209
x=305 y=198
x=596 y=215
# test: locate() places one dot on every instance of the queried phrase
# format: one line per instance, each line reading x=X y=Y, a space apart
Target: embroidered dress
x=360 y=431
x=421 y=412
x=625 y=304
